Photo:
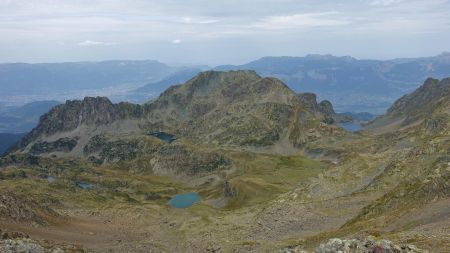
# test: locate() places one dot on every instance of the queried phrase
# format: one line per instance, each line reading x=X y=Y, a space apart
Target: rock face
x=232 y=108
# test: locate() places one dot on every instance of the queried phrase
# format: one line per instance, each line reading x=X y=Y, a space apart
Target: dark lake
x=169 y=138
x=184 y=200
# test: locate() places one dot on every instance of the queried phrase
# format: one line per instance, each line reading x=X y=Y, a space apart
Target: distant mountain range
x=16 y=121
x=8 y=140
x=359 y=117
x=20 y=78
x=177 y=78
x=21 y=83
x=351 y=84
x=21 y=119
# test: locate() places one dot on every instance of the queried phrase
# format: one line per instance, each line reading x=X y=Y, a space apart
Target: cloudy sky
x=220 y=31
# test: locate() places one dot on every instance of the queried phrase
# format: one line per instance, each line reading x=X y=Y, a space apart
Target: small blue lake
x=169 y=138
x=51 y=179
x=184 y=200
x=351 y=126
x=85 y=185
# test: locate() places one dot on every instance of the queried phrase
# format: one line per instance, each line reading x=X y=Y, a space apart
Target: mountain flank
x=428 y=106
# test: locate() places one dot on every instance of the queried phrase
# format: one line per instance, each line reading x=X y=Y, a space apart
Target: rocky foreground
x=24 y=245
x=368 y=245
x=16 y=242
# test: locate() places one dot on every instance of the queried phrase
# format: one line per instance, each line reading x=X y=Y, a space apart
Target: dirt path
x=95 y=233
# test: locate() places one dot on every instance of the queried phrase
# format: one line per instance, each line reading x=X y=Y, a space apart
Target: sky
x=217 y=32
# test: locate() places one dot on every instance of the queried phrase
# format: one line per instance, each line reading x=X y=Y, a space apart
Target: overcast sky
x=220 y=31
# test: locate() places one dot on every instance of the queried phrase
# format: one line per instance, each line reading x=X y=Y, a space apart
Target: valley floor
x=395 y=188
x=162 y=229
x=299 y=206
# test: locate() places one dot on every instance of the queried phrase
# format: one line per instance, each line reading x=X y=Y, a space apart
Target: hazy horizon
x=182 y=64
x=220 y=32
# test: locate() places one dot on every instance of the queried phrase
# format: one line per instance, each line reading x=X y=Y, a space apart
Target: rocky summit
x=272 y=169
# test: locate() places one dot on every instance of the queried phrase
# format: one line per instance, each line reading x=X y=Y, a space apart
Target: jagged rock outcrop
x=74 y=113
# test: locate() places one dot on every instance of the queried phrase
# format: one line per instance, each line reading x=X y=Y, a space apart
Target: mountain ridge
x=209 y=107
x=354 y=85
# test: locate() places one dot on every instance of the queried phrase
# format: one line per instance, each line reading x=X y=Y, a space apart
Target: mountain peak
x=223 y=87
x=211 y=78
x=74 y=113
x=235 y=107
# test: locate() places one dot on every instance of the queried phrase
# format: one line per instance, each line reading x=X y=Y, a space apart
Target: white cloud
x=385 y=2
x=176 y=41
x=199 y=20
x=90 y=43
x=298 y=21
